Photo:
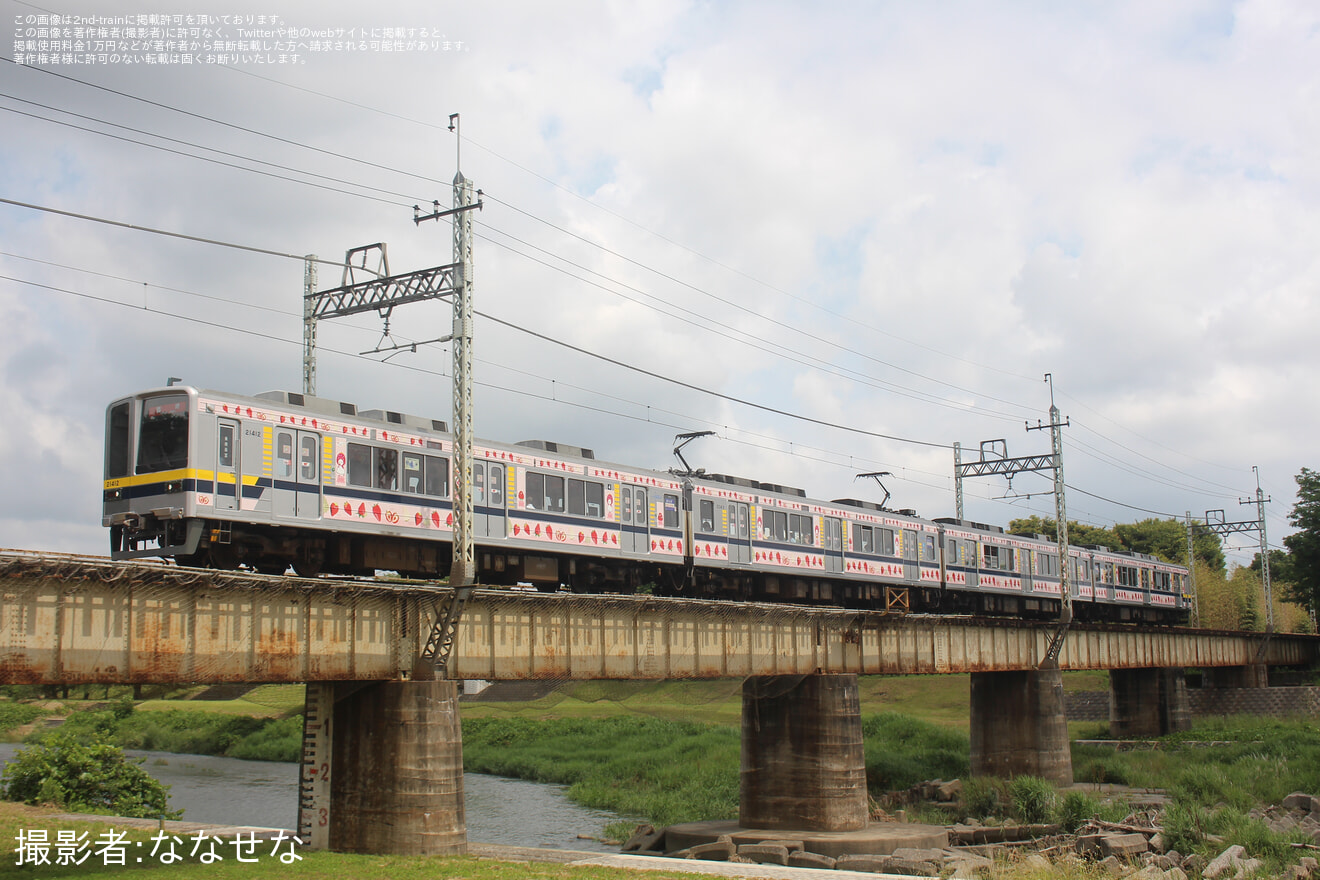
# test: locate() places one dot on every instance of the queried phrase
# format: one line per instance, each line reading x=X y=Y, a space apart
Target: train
x=282 y=479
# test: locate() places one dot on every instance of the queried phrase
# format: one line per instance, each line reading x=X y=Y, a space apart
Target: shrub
x=982 y=797
x=90 y=776
x=1034 y=799
x=1076 y=809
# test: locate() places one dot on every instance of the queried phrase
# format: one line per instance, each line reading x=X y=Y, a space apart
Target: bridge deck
x=66 y=619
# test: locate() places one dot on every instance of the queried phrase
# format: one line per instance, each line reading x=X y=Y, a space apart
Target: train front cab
x=149 y=478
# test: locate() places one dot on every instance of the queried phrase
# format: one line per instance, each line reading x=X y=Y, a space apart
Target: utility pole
x=1003 y=465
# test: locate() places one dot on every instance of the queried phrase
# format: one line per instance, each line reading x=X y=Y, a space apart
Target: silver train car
x=282 y=479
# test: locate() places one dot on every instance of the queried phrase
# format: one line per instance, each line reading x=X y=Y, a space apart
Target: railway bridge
x=383 y=763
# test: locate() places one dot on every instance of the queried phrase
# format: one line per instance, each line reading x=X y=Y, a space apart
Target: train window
x=884 y=542
x=951 y=552
x=479 y=483
x=863 y=539
x=116 y=441
x=670 y=514
x=777 y=525
x=625 y=505
x=307 y=469
x=639 y=507
x=928 y=548
x=496 y=485
x=968 y=553
x=1145 y=578
x=163 y=434
x=283 y=454
x=742 y=520
x=545 y=492
x=997 y=558
x=707 y=512
x=1047 y=564
x=412 y=473
x=387 y=468
x=437 y=476
x=799 y=529
x=359 y=464
x=586 y=498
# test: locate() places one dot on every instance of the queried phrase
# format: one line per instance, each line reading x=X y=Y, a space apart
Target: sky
x=843 y=237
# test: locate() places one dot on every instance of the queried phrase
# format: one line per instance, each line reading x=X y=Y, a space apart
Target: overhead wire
x=424 y=177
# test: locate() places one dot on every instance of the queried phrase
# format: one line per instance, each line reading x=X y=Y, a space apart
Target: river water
x=227 y=791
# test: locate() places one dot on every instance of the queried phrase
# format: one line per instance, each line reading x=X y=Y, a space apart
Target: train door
x=740 y=534
x=637 y=532
x=495 y=512
x=297 y=474
x=479 y=528
x=911 y=567
x=227 y=479
x=833 y=544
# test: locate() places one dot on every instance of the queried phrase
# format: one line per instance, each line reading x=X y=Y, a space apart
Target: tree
x=1078 y=533
x=91 y=776
x=1165 y=538
x=1304 y=544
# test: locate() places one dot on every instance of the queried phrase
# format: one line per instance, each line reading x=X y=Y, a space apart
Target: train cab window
x=387 y=468
x=359 y=464
x=163 y=434
x=545 y=492
x=625 y=503
x=116 y=441
x=707 y=513
x=670 y=513
x=496 y=485
x=308 y=472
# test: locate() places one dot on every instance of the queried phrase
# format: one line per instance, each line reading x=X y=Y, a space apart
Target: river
x=227 y=791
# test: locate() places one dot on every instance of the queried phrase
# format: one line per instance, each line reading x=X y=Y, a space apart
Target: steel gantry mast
x=382 y=293
x=1215 y=524
x=990 y=465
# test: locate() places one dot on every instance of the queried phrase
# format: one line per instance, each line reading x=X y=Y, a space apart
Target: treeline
x=1226 y=599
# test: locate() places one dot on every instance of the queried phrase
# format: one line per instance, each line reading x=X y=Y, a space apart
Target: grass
x=313 y=865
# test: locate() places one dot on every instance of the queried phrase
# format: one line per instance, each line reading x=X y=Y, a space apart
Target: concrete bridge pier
x=383 y=768
x=802 y=761
x=1147 y=702
x=1018 y=726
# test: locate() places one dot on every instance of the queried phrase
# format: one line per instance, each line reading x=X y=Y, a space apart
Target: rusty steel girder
x=72 y=620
